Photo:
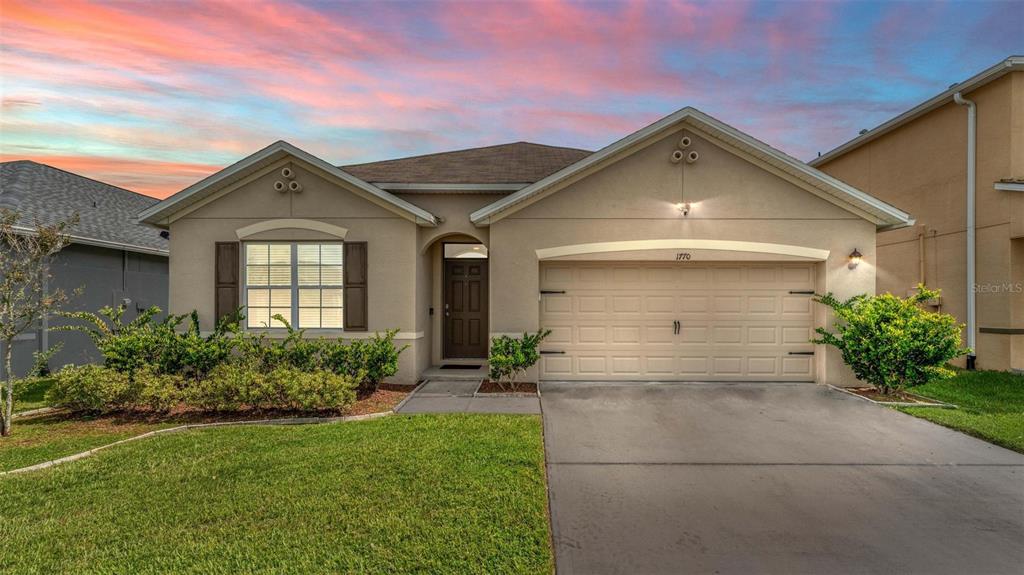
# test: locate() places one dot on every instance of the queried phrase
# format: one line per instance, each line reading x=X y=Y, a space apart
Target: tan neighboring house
x=920 y=162
x=687 y=250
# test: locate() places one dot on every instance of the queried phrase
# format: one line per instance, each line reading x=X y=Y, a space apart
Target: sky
x=153 y=96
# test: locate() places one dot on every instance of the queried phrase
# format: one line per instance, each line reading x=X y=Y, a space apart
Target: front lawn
x=39 y=438
x=440 y=494
x=991 y=406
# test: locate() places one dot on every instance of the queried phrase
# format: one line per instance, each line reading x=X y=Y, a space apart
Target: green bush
x=510 y=357
x=189 y=353
x=890 y=342
x=375 y=358
x=228 y=387
x=311 y=390
x=92 y=388
x=159 y=391
x=141 y=342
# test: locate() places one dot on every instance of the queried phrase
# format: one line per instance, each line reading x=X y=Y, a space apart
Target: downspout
x=972 y=123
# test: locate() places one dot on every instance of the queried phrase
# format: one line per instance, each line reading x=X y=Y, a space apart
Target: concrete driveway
x=771 y=478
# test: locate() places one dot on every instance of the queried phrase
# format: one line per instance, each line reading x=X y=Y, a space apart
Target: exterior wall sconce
x=855 y=258
x=684 y=208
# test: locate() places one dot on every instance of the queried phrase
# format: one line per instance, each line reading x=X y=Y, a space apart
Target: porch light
x=684 y=208
x=855 y=257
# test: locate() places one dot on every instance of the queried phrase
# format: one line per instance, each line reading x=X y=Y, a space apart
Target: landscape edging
x=934 y=402
x=190 y=426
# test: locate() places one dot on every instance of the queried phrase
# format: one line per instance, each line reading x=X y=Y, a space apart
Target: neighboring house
x=112 y=258
x=685 y=251
x=918 y=161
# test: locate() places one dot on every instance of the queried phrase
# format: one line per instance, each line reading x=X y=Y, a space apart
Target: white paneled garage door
x=736 y=321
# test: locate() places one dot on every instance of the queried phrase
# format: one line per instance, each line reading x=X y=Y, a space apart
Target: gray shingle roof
x=519 y=162
x=106 y=213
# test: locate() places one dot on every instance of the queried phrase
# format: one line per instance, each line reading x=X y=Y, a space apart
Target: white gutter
x=102 y=243
x=972 y=321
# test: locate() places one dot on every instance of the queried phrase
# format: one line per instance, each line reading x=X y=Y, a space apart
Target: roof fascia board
x=972 y=83
x=486 y=214
x=101 y=243
x=1010 y=186
x=162 y=210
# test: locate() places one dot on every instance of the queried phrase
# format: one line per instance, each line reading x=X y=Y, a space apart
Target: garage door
x=686 y=321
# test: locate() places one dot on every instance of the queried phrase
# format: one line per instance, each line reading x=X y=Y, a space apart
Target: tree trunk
x=5 y=418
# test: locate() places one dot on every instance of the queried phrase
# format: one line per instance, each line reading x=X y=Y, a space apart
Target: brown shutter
x=355 y=286
x=226 y=278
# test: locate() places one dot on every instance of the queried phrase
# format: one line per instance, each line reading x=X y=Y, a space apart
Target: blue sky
x=154 y=96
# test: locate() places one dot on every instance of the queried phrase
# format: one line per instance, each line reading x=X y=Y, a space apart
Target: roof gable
x=161 y=213
x=880 y=213
x=106 y=213
x=515 y=163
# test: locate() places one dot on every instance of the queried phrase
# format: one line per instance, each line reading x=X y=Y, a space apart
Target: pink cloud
x=152 y=178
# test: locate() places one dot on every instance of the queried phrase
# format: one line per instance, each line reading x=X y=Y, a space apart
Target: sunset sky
x=153 y=96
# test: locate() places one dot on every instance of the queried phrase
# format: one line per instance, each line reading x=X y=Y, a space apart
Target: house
x=687 y=250
x=113 y=259
x=920 y=161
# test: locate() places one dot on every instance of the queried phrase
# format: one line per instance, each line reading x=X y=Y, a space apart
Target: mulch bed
x=385 y=398
x=489 y=386
x=898 y=397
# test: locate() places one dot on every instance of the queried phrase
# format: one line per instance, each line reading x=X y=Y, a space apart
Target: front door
x=465 y=308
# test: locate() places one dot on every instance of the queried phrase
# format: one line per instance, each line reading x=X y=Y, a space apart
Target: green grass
x=30 y=394
x=991 y=406
x=438 y=494
x=40 y=438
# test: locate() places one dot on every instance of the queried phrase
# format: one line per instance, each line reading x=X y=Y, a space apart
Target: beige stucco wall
x=452 y=209
x=394 y=260
x=634 y=199
x=921 y=168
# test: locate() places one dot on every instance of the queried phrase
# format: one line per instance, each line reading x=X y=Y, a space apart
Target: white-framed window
x=301 y=281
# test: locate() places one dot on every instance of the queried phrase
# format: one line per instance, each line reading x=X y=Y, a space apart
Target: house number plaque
x=682 y=256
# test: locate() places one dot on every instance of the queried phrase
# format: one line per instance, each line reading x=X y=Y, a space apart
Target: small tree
x=25 y=257
x=891 y=342
x=511 y=357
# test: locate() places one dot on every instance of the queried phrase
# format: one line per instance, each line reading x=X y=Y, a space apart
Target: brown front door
x=465 y=308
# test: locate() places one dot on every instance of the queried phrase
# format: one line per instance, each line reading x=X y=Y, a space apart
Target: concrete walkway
x=445 y=396
x=771 y=478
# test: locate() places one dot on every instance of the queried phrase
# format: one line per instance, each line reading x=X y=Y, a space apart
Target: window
x=300 y=281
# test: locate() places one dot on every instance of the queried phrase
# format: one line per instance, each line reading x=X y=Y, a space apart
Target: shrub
x=189 y=353
x=159 y=391
x=890 y=342
x=375 y=358
x=92 y=388
x=125 y=347
x=293 y=350
x=228 y=387
x=511 y=357
x=311 y=390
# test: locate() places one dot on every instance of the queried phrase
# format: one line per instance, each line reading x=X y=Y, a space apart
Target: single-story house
x=687 y=250
x=113 y=259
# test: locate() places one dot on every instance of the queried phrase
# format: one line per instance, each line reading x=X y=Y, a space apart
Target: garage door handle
x=802 y=291
x=551 y=291
x=543 y=352
x=801 y=353
x=676 y=326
